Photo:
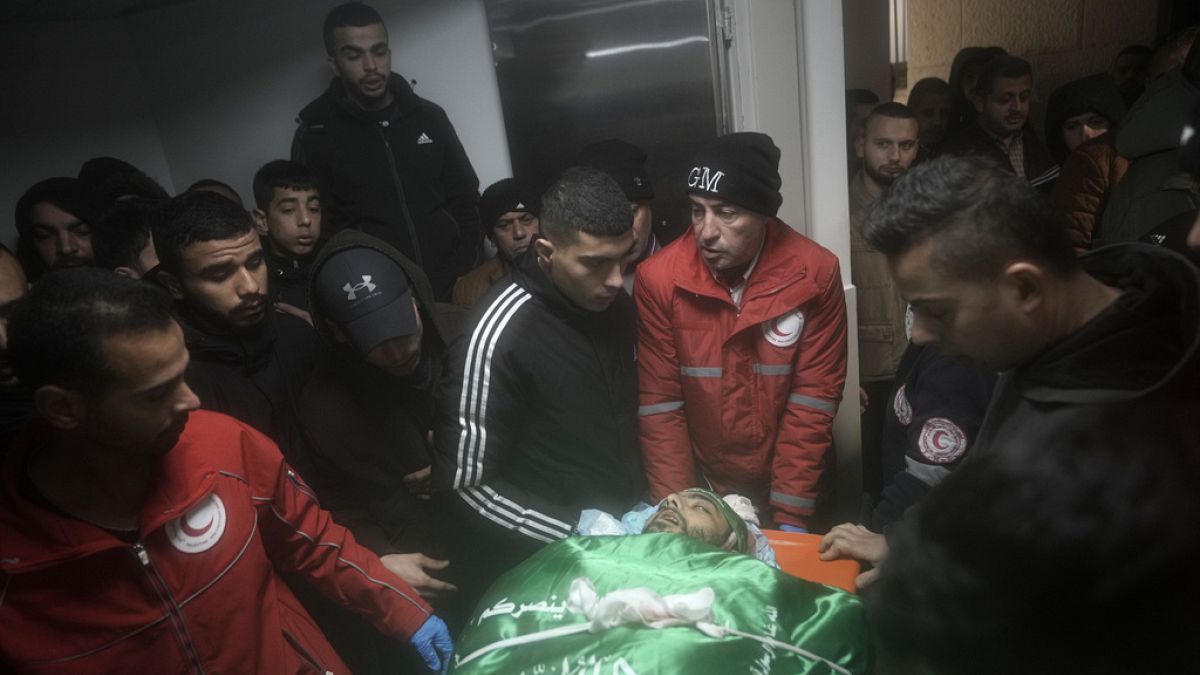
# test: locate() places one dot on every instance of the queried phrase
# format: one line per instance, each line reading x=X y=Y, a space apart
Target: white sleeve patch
x=902 y=407
x=941 y=441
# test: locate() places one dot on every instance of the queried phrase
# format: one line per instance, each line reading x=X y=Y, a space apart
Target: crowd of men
x=278 y=438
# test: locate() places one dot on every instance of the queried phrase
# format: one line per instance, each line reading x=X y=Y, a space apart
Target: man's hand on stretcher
x=858 y=543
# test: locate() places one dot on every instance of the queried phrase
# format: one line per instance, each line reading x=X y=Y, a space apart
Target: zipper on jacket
x=412 y=228
x=173 y=610
x=305 y=654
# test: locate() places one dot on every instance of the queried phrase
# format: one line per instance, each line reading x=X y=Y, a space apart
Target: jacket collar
x=1152 y=332
x=251 y=349
x=335 y=101
x=35 y=538
x=773 y=288
x=527 y=273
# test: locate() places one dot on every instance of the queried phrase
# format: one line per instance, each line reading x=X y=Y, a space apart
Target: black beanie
x=742 y=169
x=624 y=162
x=63 y=192
x=500 y=198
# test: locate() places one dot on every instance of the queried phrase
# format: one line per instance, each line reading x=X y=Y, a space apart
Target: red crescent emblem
x=942 y=441
x=193 y=531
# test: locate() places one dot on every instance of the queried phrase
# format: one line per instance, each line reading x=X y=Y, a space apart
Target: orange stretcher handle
x=797 y=555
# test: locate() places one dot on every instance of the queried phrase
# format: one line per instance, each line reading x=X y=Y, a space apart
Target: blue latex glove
x=433 y=643
x=792 y=528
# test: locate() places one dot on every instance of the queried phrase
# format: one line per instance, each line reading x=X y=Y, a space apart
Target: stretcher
x=797 y=555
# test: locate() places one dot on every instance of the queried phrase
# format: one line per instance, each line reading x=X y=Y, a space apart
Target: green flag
x=659 y=603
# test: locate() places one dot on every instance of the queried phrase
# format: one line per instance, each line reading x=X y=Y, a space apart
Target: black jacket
x=1040 y=169
x=931 y=422
x=1155 y=188
x=405 y=179
x=367 y=429
x=537 y=410
x=256 y=377
x=1142 y=354
x=289 y=278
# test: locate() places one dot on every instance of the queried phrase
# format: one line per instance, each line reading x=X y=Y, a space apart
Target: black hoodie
x=255 y=376
x=368 y=429
x=1142 y=354
x=405 y=179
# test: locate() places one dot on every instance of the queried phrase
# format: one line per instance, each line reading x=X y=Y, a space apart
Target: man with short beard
x=248 y=361
x=741 y=347
x=887 y=150
x=1002 y=97
x=389 y=161
x=52 y=227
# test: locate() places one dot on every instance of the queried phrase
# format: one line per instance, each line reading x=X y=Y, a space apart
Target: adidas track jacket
x=537 y=410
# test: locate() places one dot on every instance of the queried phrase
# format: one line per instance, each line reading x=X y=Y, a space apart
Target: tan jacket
x=1084 y=185
x=881 y=335
x=473 y=285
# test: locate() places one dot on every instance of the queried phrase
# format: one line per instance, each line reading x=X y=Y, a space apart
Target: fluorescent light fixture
x=625 y=49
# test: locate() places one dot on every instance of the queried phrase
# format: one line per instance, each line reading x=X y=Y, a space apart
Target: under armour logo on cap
x=352 y=290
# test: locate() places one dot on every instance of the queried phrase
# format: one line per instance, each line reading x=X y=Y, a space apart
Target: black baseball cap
x=368 y=295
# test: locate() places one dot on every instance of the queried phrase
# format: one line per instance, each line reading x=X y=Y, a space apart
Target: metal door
x=572 y=72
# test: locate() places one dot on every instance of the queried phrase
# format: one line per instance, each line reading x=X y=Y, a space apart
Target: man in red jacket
x=137 y=532
x=741 y=343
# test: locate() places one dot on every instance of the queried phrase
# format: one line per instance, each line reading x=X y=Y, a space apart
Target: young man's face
x=399 y=356
x=933 y=114
x=1130 y=72
x=514 y=232
x=888 y=148
x=728 y=236
x=1080 y=128
x=292 y=221
x=1005 y=110
x=691 y=515
x=143 y=408
x=225 y=280
x=61 y=239
x=362 y=58
x=976 y=320
x=588 y=269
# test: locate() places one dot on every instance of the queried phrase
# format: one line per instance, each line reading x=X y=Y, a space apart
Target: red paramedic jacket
x=743 y=399
x=198 y=591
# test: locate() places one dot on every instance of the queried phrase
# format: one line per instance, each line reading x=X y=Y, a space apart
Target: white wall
x=229 y=77
x=788 y=81
x=211 y=88
x=71 y=91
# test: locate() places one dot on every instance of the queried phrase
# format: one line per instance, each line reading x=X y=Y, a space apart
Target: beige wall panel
x=1023 y=27
x=934 y=31
x=1118 y=22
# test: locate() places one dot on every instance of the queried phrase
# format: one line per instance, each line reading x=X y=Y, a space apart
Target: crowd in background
x=328 y=400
